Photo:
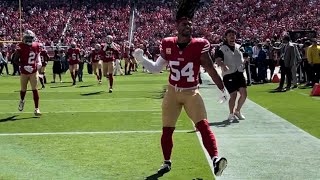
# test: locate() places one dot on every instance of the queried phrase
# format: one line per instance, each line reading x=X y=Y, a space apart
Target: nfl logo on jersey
x=168 y=50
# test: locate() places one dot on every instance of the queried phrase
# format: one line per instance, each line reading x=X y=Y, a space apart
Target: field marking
x=106 y=99
x=209 y=160
x=90 y=133
x=106 y=111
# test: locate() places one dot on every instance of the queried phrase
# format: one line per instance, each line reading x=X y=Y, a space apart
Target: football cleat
x=37 y=112
x=219 y=164
x=165 y=168
x=110 y=90
x=239 y=115
x=21 y=105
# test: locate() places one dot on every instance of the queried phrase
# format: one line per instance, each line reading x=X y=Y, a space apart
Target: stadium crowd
x=60 y=22
x=88 y=21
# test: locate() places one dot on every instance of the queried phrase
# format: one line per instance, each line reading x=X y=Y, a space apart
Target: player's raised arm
x=153 y=67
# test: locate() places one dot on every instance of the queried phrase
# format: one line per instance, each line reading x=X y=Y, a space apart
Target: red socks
x=208 y=139
x=167 y=142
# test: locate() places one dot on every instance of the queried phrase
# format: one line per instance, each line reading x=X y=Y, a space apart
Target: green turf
x=135 y=105
x=296 y=106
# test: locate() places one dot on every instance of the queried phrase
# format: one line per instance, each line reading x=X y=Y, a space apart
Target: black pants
x=316 y=73
x=285 y=72
x=248 y=72
x=4 y=65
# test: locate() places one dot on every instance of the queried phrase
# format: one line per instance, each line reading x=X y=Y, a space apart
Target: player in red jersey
x=184 y=55
x=95 y=60
x=27 y=56
x=73 y=56
x=44 y=61
x=109 y=53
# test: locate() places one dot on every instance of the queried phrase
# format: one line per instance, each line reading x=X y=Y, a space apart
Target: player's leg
x=127 y=66
x=41 y=76
x=71 y=69
x=100 y=71
x=94 y=69
x=43 y=71
x=76 y=71
x=105 y=70
x=195 y=109
x=110 y=74
x=34 y=82
x=23 y=89
x=171 y=110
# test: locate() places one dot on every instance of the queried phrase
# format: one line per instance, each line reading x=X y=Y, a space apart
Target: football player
x=27 y=56
x=44 y=61
x=73 y=56
x=95 y=60
x=127 y=61
x=185 y=54
x=109 y=53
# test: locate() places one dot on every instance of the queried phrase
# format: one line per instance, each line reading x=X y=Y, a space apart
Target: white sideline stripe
x=106 y=99
x=90 y=133
x=106 y=111
x=209 y=160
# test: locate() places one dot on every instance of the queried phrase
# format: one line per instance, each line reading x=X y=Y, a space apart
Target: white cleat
x=239 y=115
x=37 y=112
x=21 y=105
x=232 y=118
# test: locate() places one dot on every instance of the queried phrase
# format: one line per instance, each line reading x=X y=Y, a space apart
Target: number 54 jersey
x=184 y=63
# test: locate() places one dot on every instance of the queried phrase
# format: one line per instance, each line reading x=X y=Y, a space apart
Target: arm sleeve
x=153 y=67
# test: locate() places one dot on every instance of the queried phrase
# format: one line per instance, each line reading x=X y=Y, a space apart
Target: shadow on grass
x=61 y=86
x=84 y=86
x=14 y=118
x=224 y=123
x=92 y=93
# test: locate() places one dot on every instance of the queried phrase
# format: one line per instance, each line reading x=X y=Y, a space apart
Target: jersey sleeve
x=163 y=48
x=206 y=46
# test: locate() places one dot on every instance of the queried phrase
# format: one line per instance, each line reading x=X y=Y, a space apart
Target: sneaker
x=165 y=168
x=37 y=112
x=232 y=118
x=239 y=115
x=110 y=90
x=219 y=164
x=21 y=105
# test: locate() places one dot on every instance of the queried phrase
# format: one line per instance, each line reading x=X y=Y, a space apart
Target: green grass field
x=92 y=134
x=118 y=152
